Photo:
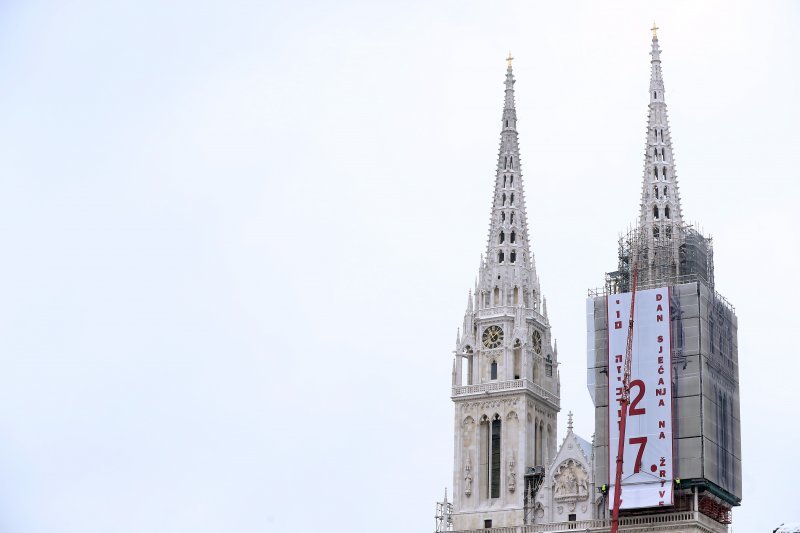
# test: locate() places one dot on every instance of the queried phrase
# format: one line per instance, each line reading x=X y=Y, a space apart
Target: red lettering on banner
x=660 y=360
x=661 y=370
x=660 y=349
x=662 y=473
x=663 y=462
x=661 y=493
x=662 y=424
x=661 y=435
x=661 y=392
x=618 y=324
x=661 y=338
x=659 y=318
x=658 y=297
x=661 y=381
x=617 y=302
x=661 y=402
x=659 y=308
x=617 y=358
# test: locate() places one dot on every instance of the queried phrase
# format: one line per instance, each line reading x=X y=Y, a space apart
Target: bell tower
x=505 y=375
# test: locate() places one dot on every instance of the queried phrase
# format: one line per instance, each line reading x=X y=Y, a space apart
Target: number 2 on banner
x=642 y=442
x=639 y=384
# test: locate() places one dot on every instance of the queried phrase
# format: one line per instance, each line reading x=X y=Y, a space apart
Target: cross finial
x=655 y=29
x=569 y=421
x=509 y=59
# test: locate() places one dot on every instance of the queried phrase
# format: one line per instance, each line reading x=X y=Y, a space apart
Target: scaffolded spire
x=661 y=204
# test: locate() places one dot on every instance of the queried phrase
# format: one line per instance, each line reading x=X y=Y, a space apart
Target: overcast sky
x=237 y=240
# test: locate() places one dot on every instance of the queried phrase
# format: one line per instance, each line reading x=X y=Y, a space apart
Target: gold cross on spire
x=655 y=29
x=509 y=59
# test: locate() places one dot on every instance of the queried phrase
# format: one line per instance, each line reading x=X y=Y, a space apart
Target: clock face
x=537 y=342
x=492 y=337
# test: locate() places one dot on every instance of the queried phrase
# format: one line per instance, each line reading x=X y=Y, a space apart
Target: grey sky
x=237 y=240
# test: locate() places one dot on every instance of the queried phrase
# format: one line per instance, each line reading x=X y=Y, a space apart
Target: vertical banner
x=647 y=460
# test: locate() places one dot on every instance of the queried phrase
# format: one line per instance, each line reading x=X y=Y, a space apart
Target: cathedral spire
x=661 y=205
x=508 y=261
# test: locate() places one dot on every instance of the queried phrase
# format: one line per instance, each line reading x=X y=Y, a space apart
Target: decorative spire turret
x=508 y=264
x=661 y=204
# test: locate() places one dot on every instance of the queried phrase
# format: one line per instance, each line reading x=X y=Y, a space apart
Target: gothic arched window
x=513 y=236
x=655 y=190
x=655 y=212
x=664 y=172
x=512 y=218
x=502 y=237
x=512 y=199
x=655 y=233
x=666 y=212
x=513 y=256
x=500 y=257
x=504 y=198
x=493 y=370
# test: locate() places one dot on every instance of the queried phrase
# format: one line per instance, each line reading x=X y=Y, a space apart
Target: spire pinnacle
x=654 y=29
x=508 y=262
x=509 y=59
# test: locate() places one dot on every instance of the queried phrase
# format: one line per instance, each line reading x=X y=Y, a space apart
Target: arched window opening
x=516 y=295
x=511 y=182
x=500 y=257
x=655 y=190
x=512 y=218
x=513 y=256
x=502 y=216
x=506 y=123
x=664 y=172
x=655 y=212
x=494 y=459
x=497 y=295
x=654 y=95
x=548 y=367
x=668 y=232
x=666 y=212
x=502 y=237
x=513 y=237
x=504 y=181
x=512 y=199
x=655 y=233
x=493 y=370
x=655 y=172
x=665 y=191
x=517 y=360
x=504 y=198
x=466 y=366
x=539 y=443
x=511 y=160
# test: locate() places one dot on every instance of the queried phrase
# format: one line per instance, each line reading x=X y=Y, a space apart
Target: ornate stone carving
x=468 y=477
x=571 y=482
x=512 y=474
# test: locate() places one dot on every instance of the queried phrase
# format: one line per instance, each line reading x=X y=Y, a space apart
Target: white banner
x=647 y=461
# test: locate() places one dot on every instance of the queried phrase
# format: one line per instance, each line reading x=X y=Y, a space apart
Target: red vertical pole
x=623 y=405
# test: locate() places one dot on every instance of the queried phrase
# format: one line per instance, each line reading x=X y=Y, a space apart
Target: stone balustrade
x=494 y=386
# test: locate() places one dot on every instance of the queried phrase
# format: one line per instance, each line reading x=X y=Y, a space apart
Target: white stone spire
x=661 y=206
x=508 y=260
